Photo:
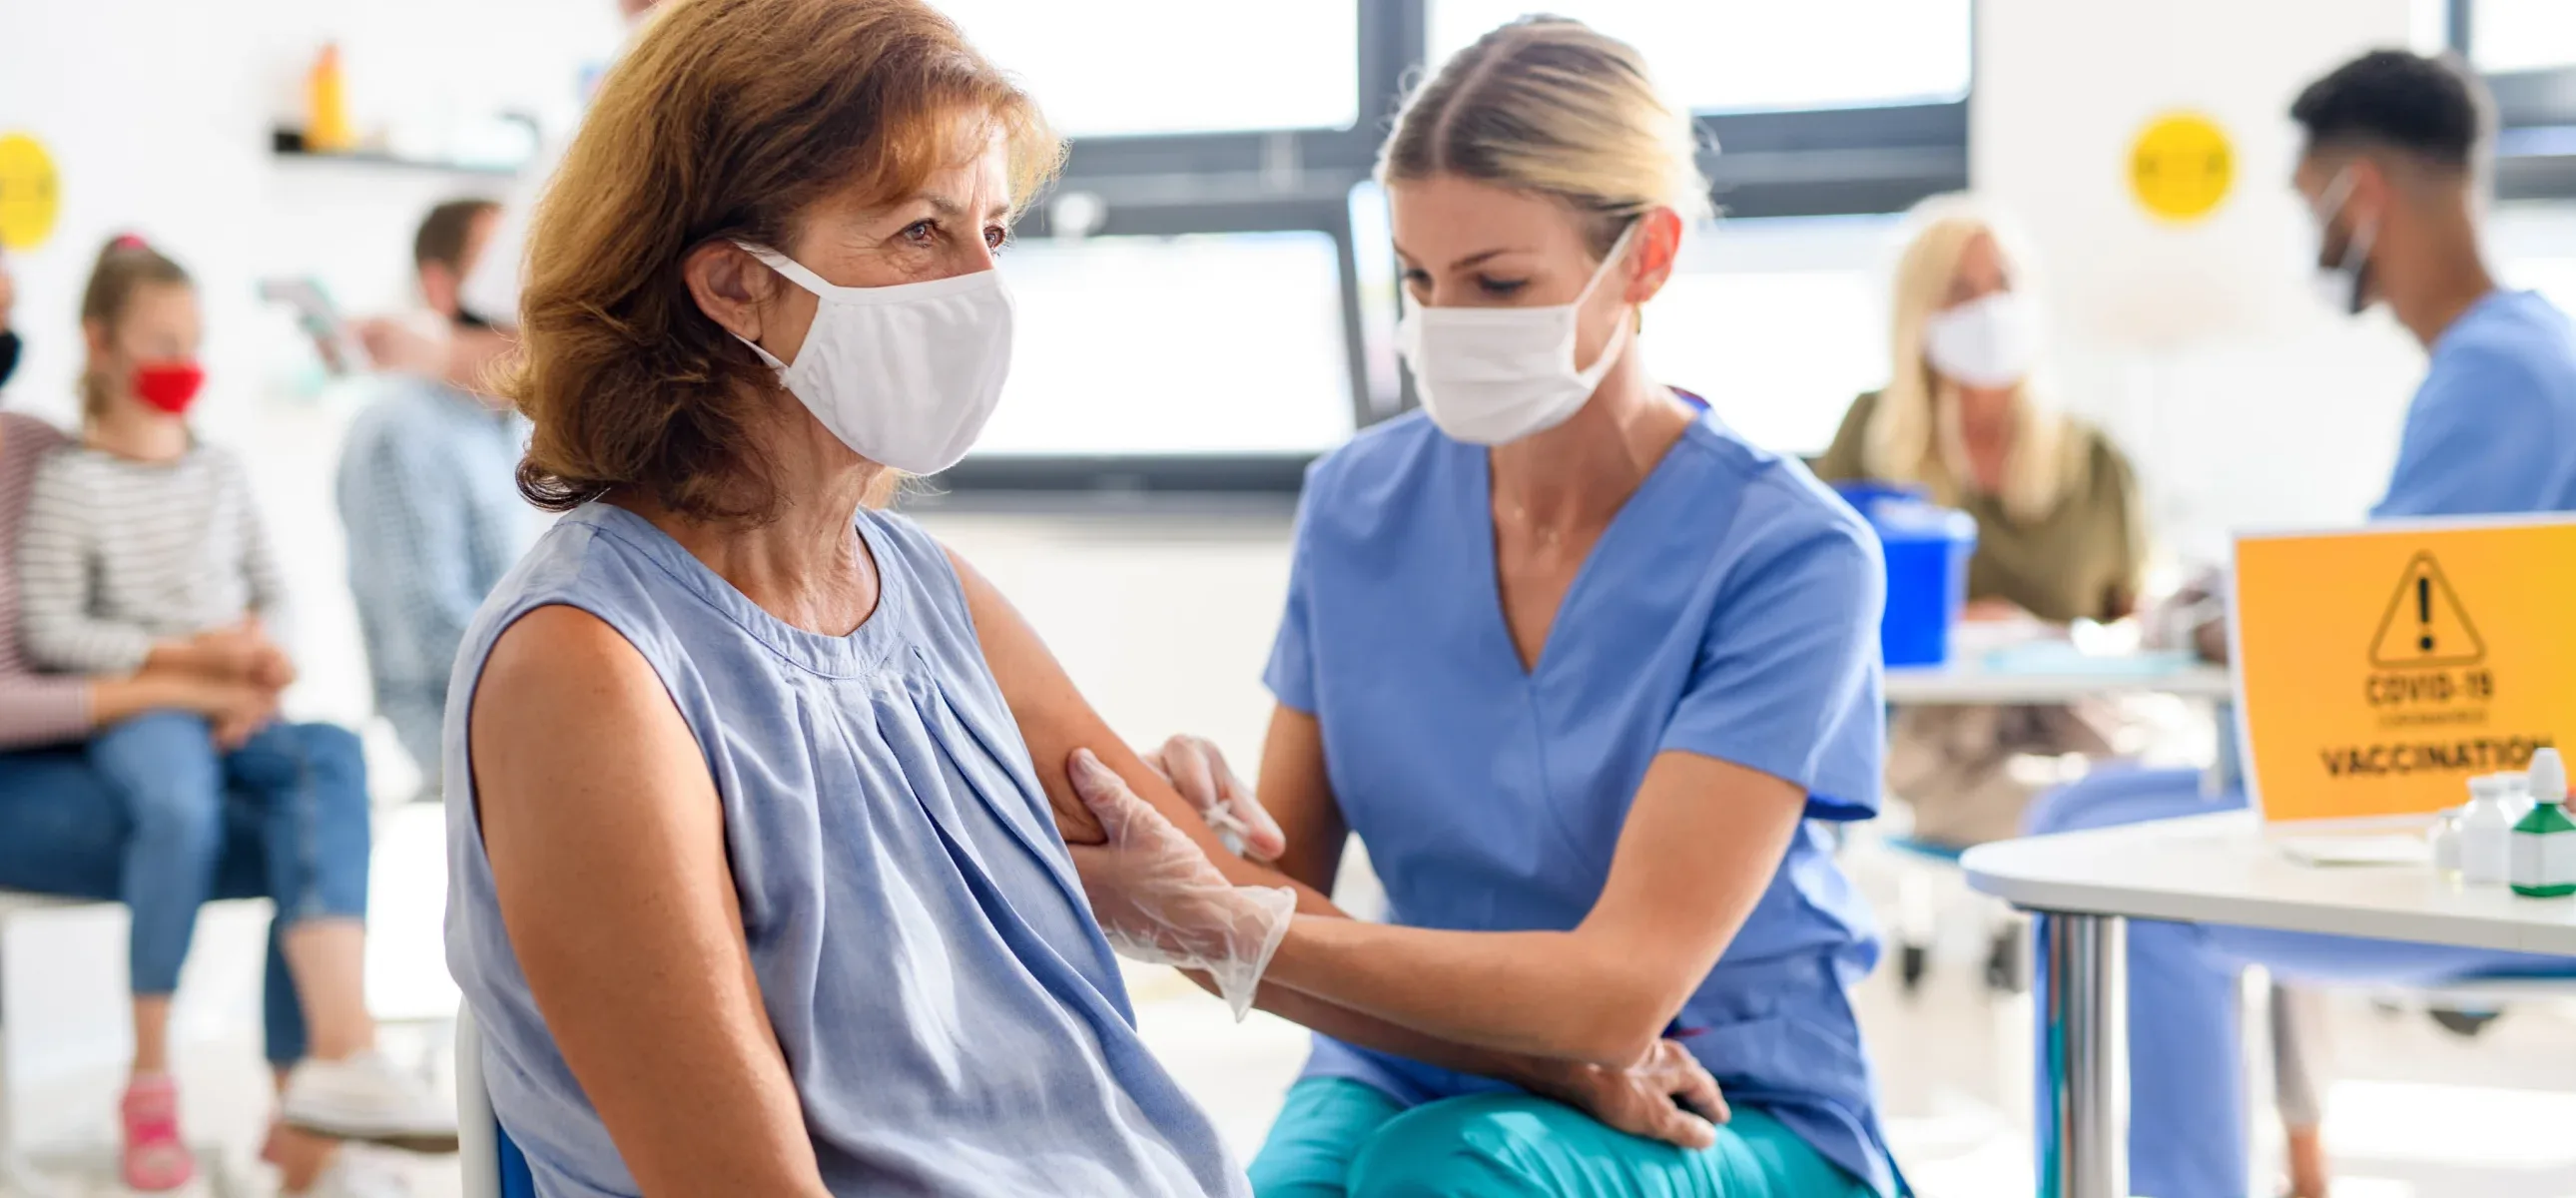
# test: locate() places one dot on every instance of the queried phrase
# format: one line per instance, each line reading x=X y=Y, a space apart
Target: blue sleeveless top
x=953 y=1020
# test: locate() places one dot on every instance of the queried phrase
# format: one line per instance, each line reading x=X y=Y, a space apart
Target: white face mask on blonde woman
x=1986 y=342
x=1491 y=375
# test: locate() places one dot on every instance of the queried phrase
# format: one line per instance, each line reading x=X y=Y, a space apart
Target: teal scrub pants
x=1339 y=1138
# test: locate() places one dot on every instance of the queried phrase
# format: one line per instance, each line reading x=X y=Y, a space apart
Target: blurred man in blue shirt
x=2390 y=174
x=2389 y=171
x=429 y=495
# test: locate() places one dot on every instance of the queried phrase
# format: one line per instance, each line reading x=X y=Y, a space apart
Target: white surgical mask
x=2341 y=286
x=1985 y=342
x=904 y=375
x=1491 y=375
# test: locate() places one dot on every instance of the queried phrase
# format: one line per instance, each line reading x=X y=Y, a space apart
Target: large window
x=1176 y=66
x=2526 y=49
x=1208 y=296
x=1720 y=57
x=2522 y=35
x=1777 y=322
x=1204 y=343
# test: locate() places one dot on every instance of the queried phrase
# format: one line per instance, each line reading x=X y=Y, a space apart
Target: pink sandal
x=155 y=1157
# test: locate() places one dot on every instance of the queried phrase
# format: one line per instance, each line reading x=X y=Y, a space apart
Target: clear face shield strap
x=2330 y=204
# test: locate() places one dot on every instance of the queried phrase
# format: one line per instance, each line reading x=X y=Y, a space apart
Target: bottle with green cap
x=2544 y=840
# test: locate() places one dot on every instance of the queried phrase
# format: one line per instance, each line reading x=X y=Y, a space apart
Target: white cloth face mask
x=904 y=375
x=1491 y=375
x=1986 y=342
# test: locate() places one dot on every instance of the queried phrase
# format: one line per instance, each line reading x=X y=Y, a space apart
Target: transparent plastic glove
x=1160 y=901
x=1198 y=771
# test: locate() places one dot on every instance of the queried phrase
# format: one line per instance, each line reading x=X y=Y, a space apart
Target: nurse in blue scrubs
x=1586 y=672
x=2389 y=172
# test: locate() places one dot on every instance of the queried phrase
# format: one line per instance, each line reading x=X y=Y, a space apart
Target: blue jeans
x=2187 y=1117
x=150 y=814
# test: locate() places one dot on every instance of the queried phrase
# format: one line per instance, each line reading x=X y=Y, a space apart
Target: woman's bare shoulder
x=564 y=698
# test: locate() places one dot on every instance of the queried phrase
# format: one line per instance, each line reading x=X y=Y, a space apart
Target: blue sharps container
x=1927 y=548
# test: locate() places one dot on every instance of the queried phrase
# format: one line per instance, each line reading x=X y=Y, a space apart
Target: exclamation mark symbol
x=2424 y=611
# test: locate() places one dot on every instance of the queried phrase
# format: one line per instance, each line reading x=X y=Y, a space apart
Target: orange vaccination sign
x=2378 y=670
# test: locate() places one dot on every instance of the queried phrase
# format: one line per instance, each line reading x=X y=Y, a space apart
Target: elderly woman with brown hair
x=753 y=891
x=757 y=885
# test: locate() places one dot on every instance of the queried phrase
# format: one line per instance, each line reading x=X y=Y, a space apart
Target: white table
x=2084 y=887
x=1968 y=682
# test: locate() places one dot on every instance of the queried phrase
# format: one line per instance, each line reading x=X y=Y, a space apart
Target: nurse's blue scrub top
x=1730 y=610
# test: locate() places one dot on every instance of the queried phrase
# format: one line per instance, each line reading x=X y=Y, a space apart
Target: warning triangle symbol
x=2425 y=625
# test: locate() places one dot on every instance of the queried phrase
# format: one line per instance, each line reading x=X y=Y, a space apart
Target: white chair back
x=478 y=1145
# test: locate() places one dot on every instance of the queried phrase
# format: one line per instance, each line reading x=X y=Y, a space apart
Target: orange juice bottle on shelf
x=326 y=118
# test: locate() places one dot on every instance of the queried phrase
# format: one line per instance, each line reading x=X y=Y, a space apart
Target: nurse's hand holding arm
x=1696 y=853
x=1638 y=1096
x=1160 y=900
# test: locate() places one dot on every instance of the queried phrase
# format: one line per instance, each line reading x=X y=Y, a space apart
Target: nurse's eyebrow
x=1472 y=259
x=1469 y=260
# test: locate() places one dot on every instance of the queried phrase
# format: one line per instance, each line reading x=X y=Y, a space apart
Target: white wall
x=2241 y=398
x=158 y=115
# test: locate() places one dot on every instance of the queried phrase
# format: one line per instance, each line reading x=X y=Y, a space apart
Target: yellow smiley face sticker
x=2181 y=166
x=30 y=193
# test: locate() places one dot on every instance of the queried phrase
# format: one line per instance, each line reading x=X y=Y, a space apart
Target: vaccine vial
x=2486 y=835
x=2444 y=836
x=2544 y=840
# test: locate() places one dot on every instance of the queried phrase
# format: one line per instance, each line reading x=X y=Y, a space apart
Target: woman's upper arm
x=1841 y=459
x=1299 y=795
x=2129 y=579
x=1055 y=720
x=607 y=846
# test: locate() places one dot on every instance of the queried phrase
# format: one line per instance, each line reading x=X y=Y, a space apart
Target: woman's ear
x=94 y=335
x=1658 y=249
x=730 y=286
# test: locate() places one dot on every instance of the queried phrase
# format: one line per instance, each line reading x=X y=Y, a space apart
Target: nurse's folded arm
x=1697 y=852
x=607 y=845
x=1634 y=1092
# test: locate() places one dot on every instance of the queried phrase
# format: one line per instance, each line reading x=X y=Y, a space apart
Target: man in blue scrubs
x=2389 y=172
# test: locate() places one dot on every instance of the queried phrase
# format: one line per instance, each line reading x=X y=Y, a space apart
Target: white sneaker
x=366 y=1098
x=356 y=1173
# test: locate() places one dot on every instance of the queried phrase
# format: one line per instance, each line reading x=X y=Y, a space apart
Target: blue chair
x=493 y=1165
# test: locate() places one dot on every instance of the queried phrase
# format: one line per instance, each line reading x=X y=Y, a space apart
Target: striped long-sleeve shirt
x=35 y=709
x=117 y=554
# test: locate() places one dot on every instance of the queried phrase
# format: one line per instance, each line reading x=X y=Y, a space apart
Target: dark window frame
x=1818 y=162
x=2535 y=147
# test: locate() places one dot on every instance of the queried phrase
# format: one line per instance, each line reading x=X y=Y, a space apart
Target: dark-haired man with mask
x=2390 y=172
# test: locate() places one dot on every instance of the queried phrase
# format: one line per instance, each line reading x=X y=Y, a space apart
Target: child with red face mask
x=142 y=549
x=141 y=545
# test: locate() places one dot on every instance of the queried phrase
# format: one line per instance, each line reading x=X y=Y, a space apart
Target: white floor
x=1165 y=621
